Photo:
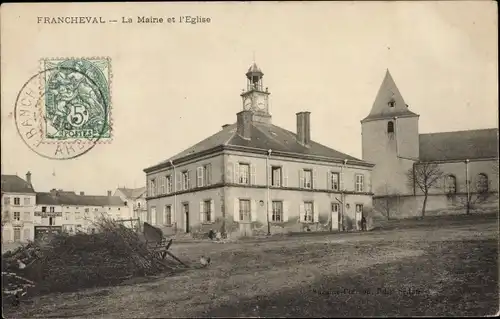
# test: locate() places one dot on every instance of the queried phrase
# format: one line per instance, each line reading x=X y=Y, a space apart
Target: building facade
x=72 y=213
x=135 y=199
x=253 y=176
x=391 y=140
x=18 y=207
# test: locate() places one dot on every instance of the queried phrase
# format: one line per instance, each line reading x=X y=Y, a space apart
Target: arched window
x=390 y=127
x=482 y=183
x=450 y=184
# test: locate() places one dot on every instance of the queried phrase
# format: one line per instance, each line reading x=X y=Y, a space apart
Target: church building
x=391 y=140
x=255 y=177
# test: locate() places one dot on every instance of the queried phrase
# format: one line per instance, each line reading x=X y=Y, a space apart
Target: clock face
x=247 y=103
x=261 y=103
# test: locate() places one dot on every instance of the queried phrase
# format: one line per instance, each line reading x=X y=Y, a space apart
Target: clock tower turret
x=255 y=97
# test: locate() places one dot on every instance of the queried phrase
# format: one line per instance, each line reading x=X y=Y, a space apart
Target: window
x=245 y=210
x=44 y=209
x=360 y=181
x=168 y=179
x=207 y=214
x=277 y=211
x=26 y=216
x=86 y=210
x=52 y=209
x=307 y=181
x=67 y=216
x=244 y=174
x=335 y=207
x=450 y=184
x=17 y=234
x=17 y=216
x=359 y=208
x=162 y=185
x=138 y=205
x=78 y=215
x=152 y=188
x=308 y=212
x=168 y=214
x=390 y=127
x=334 y=180
x=6 y=200
x=482 y=183
x=391 y=103
x=276 y=176
x=185 y=180
x=26 y=201
x=207 y=172
x=17 y=201
x=152 y=216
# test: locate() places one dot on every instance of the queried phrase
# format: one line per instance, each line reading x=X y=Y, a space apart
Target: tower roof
x=254 y=69
x=387 y=93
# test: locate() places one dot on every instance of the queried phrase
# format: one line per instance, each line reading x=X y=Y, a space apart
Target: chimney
x=109 y=193
x=224 y=126
x=82 y=193
x=244 y=124
x=28 y=177
x=303 y=128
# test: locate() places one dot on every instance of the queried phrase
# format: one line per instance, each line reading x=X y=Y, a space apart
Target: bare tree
x=384 y=204
x=424 y=176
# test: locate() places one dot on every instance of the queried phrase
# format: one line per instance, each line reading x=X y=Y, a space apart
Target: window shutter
x=188 y=179
x=26 y=234
x=329 y=184
x=269 y=175
x=285 y=211
x=236 y=212
x=284 y=177
x=209 y=175
x=253 y=174
x=229 y=172
x=369 y=184
x=253 y=210
x=199 y=176
x=314 y=179
x=179 y=182
x=236 y=173
x=301 y=178
x=212 y=210
x=315 y=212
x=202 y=219
x=159 y=217
x=301 y=212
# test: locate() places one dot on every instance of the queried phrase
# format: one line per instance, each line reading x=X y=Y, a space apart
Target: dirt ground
x=432 y=268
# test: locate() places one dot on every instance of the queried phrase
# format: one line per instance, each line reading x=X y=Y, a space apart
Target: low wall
x=397 y=207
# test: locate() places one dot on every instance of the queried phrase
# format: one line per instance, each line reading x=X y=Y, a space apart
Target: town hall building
x=468 y=161
x=253 y=176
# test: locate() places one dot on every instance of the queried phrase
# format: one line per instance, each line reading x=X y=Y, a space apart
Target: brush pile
x=71 y=262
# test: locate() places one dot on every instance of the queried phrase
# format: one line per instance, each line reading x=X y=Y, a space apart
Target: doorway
x=336 y=219
x=185 y=208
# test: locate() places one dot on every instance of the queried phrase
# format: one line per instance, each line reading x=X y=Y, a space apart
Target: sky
x=176 y=84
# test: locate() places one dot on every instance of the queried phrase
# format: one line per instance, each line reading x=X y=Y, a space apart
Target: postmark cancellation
x=65 y=109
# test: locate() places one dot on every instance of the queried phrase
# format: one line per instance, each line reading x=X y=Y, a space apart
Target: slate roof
x=264 y=137
x=459 y=145
x=15 y=184
x=71 y=198
x=388 y=91
x=132 y=193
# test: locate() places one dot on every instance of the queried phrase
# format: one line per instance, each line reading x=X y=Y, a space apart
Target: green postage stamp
x=77 y=101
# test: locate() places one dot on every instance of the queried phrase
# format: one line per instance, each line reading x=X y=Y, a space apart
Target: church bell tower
x=390 y=140
x=255 y=98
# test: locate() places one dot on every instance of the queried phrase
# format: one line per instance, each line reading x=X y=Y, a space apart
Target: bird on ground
x=21 y=264
x=204 y=261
